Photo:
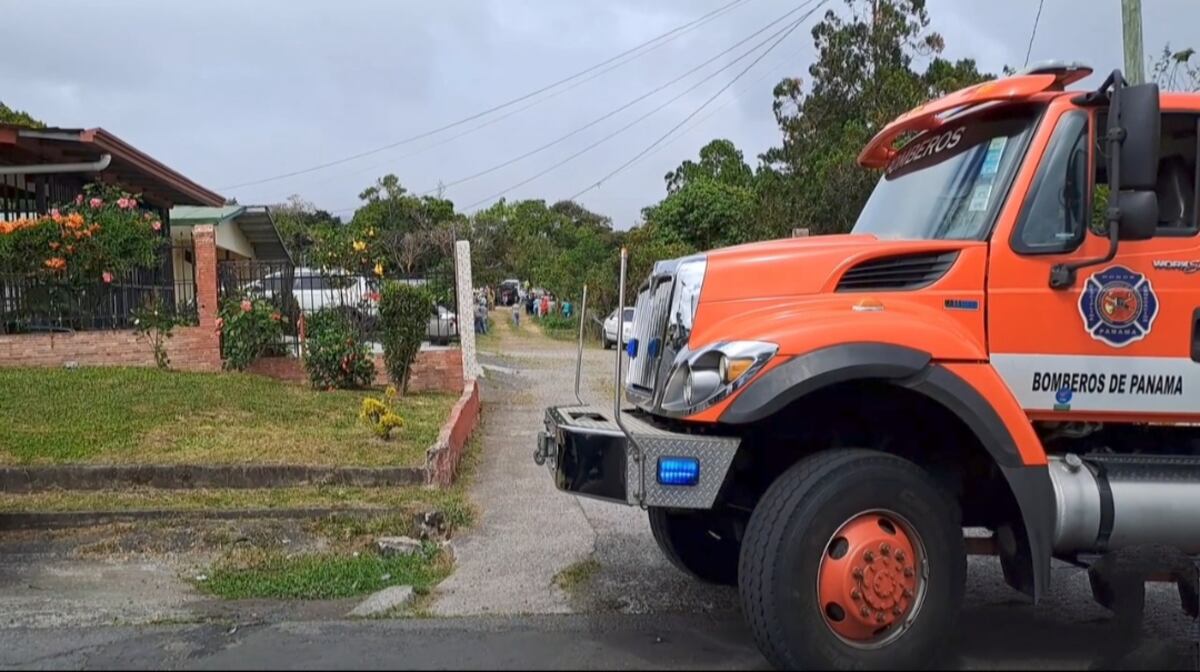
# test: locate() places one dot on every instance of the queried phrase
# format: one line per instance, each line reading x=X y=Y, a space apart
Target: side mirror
x=1139 y=215
x=1134 y=112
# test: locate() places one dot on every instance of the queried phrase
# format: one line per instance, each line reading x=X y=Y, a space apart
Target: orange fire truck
x=1009 y=339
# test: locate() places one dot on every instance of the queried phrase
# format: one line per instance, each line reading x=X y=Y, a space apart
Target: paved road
x=501 y=608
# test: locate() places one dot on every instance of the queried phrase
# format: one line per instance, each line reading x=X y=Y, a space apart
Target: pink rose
x=54 y=213
x=79 y=199
x=220 y=323
x=156 y=225
x=107 y=277
x=95 y=202
x=123 y=203
x=132 y=202
x=247 y=306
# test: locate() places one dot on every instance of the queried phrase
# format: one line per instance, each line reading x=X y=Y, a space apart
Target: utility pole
x=1131 y=30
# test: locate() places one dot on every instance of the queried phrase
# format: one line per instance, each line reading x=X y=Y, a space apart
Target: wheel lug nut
x=865 y=612
x=908 y=592
x=869 y=556
x=857 y=573
x=855 y=595
x=908 y=572
x=885 y=549
x=899 y=556
x=880 y=617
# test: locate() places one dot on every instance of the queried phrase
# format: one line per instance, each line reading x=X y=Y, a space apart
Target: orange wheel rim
x=870 y=581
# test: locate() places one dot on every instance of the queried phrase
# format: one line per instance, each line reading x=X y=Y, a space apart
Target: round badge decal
x=1118 y=306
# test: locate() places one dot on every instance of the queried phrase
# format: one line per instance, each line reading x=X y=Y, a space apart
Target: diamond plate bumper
x=590 y=456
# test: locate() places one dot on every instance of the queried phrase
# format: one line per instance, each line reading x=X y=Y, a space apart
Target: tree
x=720 y=160
x=862 y=79
x=18 y=117
x=1174 y=71
x=301 y=224
x=706 y=213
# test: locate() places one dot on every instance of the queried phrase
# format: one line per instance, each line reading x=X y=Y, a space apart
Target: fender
x=1027 y=476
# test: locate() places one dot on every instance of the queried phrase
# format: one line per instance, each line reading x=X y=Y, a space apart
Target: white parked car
x=442 y=327
x=316 y=290
x=610 y=328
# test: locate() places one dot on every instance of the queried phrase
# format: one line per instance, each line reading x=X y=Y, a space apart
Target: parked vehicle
x=997 y=344
x=442 y=327
x=609 y=338
x=316 y=290
x=510 y=292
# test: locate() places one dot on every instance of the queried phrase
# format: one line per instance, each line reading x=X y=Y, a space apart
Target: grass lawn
x=137 y=415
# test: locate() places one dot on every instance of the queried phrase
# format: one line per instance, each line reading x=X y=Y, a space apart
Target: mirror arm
x=1062 y=276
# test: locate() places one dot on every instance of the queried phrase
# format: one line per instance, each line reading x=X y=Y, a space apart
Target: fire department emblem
x=1118 y=306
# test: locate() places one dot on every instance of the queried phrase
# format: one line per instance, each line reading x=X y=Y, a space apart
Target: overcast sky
x=233 y=91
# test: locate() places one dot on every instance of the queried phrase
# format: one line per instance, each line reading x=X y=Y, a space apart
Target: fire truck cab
x=1009 y=339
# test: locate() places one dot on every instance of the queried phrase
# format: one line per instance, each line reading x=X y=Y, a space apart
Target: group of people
x=533 y=303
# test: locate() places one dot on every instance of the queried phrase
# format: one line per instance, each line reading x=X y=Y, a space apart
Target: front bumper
x=589 y=455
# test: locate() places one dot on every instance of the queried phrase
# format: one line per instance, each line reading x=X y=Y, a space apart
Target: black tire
x=786 y=541
x=687 y=539
x=607 y=343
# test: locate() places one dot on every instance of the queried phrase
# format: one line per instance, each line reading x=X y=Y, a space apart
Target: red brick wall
x=191 y=349
x=445 y=455
x=436 y=370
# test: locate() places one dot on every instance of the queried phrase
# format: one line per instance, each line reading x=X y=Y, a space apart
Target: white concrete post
x=466 y=309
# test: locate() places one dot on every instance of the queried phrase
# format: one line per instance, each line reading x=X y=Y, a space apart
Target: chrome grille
x=649 y=326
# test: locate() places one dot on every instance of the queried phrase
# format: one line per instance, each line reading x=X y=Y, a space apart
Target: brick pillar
x=204 y=242
x=208 y=340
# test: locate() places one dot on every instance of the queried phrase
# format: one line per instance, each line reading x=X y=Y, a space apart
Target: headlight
x=705 y=377
x=689 y=278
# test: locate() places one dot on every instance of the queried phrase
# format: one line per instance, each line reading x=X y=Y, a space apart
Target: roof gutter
x=42 y=168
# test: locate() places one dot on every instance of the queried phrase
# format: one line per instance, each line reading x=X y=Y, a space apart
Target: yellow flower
x=359 y=246
x=370 y=233
x=379 y=269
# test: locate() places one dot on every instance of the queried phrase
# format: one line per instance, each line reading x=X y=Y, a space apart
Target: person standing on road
x=516 y=310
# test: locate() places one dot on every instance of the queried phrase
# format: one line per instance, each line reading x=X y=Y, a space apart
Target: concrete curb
x=443 y=457
x=187 y=477
x=66 y=519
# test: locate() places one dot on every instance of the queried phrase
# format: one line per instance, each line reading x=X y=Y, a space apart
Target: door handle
x=1196 y=335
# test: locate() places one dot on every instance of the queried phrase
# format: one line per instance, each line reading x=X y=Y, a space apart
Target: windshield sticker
x=991 y=162
x=925 y=148
x=980 y=197
x=1118 y=306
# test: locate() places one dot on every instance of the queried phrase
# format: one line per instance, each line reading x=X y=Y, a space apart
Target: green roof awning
x=254 y=221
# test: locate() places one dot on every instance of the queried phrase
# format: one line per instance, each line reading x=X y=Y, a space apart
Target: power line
x=705 y=104
x=534 y=103
x=670 y=34
x=622 y=108
x=1036 y=20
x=783 y=32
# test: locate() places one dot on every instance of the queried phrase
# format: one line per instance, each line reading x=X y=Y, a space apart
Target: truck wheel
x=853 y=559
x=697 y=544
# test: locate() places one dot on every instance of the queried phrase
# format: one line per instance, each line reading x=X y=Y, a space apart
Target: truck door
x=1123 y=342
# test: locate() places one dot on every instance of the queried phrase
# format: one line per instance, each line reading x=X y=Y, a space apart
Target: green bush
x=334 y=355
x=250 y=328
x=404 y=312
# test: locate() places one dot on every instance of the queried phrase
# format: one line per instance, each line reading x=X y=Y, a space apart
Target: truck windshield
x=947 y=184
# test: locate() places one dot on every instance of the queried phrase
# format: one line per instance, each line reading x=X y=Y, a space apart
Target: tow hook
x=544 y=450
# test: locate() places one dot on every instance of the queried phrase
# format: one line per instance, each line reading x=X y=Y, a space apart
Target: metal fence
x=299 y=291
x=31 y=304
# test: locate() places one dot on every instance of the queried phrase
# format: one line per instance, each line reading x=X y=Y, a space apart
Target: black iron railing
x=33 y=304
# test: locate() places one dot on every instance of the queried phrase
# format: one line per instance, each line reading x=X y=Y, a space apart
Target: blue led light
x=652 y=349
x=678 y=470
x=631 y=348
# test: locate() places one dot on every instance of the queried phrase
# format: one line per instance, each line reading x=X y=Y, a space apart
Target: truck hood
x=797 y=266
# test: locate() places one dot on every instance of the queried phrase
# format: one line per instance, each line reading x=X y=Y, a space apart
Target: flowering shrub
x=98 y=236
x=155 y=322
x=334 y=355
x=249 y=329
x=378 y=413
